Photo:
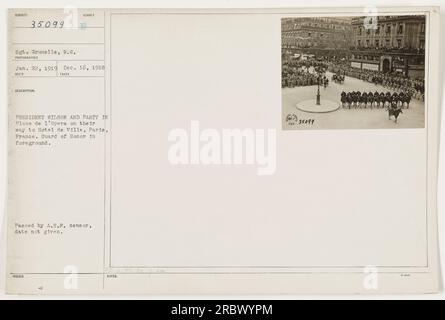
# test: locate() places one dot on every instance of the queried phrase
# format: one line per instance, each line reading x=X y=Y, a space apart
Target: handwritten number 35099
x=47 y=24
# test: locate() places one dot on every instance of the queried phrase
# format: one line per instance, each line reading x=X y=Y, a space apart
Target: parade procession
x=348 y=72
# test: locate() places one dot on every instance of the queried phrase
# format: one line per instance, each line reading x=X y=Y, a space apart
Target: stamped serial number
x=292 y=119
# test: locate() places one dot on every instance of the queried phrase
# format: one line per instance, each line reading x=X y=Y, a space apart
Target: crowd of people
x=303 y=73
x=297 y=73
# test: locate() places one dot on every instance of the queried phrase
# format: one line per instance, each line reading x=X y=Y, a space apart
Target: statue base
x=312 y=106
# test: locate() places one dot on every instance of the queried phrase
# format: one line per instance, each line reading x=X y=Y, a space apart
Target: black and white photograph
x=353 y=72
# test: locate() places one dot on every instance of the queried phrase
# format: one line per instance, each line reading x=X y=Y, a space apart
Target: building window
x=399 y=43
x=387 y=43
x=377 y=31
x=388 y=28
x=400 y=29
x=359 y=43
x=377 y=43
x=367 y=42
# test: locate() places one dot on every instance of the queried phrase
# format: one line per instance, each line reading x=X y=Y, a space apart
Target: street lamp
x=318 y=70
x=318 y=91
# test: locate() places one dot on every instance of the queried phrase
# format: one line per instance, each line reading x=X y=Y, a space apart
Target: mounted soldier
x=395 y=110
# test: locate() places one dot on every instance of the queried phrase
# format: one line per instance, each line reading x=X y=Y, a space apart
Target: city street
x=345 y=118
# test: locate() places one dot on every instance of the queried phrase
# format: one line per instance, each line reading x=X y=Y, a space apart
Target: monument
x=316 y=106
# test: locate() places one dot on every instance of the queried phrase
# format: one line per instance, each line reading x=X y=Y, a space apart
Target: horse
x=394 y=112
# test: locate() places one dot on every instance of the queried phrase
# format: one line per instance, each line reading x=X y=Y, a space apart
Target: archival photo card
x=223 y=151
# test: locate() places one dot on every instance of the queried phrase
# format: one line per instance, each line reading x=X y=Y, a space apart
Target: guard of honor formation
x=394 y=103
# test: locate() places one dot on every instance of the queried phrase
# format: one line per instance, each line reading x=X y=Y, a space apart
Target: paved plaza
x=293 y=118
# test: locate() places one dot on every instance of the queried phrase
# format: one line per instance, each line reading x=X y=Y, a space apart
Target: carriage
x=338 y=78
